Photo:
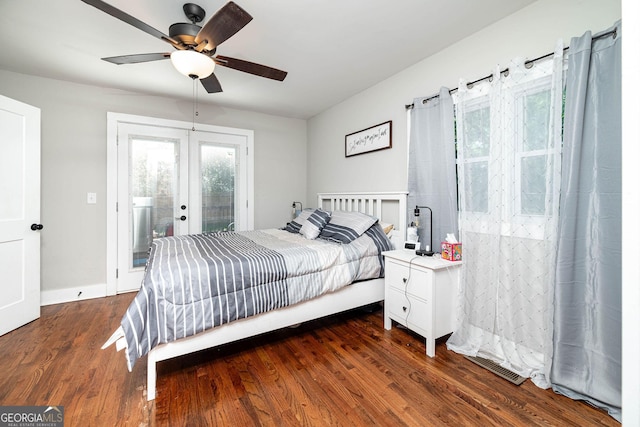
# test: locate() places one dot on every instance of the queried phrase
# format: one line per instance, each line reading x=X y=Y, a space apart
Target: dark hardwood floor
x=344 y=370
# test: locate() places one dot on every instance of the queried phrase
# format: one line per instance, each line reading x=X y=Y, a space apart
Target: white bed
x=388 y=207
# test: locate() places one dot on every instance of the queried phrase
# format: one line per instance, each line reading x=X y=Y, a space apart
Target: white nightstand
x=420 y=293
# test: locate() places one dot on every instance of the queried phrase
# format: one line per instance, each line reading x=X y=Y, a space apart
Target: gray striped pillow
x=295 y=225
x=345 y=227
x=315 y=223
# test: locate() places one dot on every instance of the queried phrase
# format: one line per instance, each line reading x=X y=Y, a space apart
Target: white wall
x=530 y=33
x=74 y=123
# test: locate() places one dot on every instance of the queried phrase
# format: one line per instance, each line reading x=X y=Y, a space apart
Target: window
x=506 y=157
x=533 y=155
x=476 y=146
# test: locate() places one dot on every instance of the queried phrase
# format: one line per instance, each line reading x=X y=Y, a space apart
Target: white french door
x=152 y=194
x=171 y=181
x=219 y=161
x=19 y=214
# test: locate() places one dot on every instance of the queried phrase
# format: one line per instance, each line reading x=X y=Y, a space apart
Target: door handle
x=36 y=227
x=182 y=218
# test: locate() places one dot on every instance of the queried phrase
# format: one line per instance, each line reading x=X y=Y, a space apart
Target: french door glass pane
x=153 y=180
x=218 y=171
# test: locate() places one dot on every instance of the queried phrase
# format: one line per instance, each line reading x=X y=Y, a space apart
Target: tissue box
x=452 y=251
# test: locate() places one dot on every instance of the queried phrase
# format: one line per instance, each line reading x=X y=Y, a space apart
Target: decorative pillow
x=376 y=232
x=387 y=228
x=382 y=242
x=315 y=223
x=345 y=227
x=295 y=225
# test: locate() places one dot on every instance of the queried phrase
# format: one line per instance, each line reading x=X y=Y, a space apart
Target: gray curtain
x=587 y=340
x=432 y=167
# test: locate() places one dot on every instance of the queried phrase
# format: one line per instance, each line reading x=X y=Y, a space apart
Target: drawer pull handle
x=404 y=280
x=404 y=308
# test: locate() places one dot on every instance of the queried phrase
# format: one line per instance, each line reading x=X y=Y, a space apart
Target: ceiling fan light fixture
x=192 y=63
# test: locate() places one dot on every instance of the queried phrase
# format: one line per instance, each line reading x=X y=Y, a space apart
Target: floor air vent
x=497 y=369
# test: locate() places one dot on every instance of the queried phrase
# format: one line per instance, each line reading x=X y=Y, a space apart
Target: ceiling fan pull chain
x=195 y=100
x=196 y=89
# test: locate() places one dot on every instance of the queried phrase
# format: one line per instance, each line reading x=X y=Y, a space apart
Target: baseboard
x=59 y=296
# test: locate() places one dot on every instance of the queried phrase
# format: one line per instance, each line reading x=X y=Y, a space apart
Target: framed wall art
x=375 y=138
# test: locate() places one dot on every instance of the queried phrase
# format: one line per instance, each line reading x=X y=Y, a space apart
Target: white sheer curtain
x=509 y=134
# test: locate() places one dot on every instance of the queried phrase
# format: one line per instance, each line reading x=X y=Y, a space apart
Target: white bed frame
x=390 y=207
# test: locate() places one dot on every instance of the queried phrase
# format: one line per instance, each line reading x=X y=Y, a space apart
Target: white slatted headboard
x=388 y=207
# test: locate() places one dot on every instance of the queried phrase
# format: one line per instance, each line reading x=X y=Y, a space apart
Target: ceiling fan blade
x=227 y=21
x=211 y=84
x=250 y=67
x=135 y=59
x=125 y=17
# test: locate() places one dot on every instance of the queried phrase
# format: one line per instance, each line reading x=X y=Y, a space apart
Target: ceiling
x=331 y=49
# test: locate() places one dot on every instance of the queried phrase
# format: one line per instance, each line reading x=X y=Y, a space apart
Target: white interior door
x=19 y=214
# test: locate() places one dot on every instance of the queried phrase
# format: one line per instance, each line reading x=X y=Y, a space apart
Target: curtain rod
x=505 y=72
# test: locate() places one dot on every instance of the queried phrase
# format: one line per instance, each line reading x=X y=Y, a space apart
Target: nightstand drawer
x=412 y=313
x=418 y=281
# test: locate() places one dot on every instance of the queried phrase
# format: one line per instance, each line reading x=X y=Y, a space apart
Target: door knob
x=182 y=218
x=183 y=207
x=36 y=227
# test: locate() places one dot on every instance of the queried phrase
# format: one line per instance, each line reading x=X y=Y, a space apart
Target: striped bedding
x=196 y=282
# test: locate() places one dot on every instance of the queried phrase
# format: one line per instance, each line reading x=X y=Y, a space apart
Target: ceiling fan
x=195 y=46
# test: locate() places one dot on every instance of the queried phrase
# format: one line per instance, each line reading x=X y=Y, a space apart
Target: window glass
x=532 y=158
x=536 y=120
x=153 y=180
x=476 y=145
x=218 y=170
x=477 y=187
x=533 y=185
x=476 y=140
